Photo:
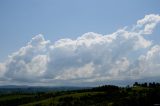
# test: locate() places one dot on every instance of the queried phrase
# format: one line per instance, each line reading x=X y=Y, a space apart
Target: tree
x=136 y=84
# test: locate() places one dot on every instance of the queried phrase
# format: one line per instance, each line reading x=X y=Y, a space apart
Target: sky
x=83 y=42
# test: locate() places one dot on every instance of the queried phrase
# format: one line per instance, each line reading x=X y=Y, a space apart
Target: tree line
x=145 y=84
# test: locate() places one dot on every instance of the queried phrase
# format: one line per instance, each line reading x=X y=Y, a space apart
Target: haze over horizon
x=79 y=43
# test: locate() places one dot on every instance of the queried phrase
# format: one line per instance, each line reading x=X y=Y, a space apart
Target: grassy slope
x=55 y=100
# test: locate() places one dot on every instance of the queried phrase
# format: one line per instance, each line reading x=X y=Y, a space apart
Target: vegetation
x=140 y=94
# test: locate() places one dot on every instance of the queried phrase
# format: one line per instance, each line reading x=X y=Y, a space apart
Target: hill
x=108 y=95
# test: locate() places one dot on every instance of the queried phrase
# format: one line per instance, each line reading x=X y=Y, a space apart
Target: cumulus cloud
x=29 y=62
x=75 y=73
x=147 y=24
x=150 y=62
x=2 y=69
x=89 y=58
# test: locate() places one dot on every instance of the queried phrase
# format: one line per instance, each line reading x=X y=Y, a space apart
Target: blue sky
x=20 y=20
x=79 y=42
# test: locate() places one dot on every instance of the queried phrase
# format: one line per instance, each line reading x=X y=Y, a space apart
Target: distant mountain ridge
x=27 y=89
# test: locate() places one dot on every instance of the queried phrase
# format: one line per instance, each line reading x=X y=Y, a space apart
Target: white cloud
x=29 y=62
x=2 y=69
x=85 y=71
x=150 y=62
x=147 y=24
x=120 y=66
x=89 y=58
